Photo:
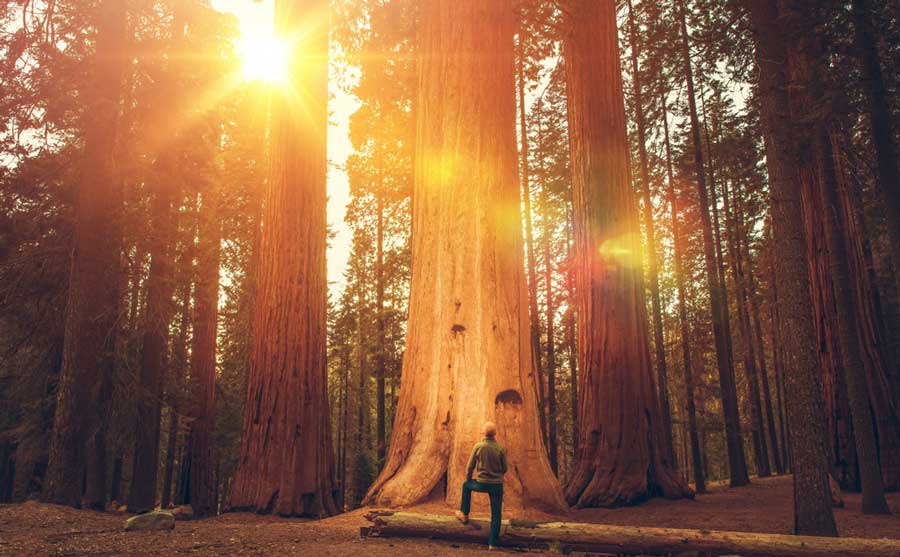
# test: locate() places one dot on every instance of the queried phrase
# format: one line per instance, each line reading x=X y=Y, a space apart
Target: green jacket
x=488 y=461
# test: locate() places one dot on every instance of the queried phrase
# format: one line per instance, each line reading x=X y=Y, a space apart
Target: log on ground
x=625 y=539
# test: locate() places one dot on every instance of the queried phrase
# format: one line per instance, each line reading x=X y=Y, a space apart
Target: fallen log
x=625 y=539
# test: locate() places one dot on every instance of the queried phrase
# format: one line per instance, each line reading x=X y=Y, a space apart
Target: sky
x=256 y=19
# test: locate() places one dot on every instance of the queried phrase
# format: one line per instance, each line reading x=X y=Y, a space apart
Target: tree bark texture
x=737 y=464
x=286 y=464
x=468 y=354
x=622 y=456
x=813 y=514
x=93 y=300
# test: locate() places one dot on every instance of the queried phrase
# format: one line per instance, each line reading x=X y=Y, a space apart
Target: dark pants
x=495 y=491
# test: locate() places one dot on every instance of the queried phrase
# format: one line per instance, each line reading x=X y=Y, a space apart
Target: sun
x=264 y=58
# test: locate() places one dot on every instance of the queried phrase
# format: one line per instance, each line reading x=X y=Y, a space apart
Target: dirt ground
x=38 y=529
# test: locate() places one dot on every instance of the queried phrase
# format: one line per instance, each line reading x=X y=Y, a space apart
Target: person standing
x=488 y=464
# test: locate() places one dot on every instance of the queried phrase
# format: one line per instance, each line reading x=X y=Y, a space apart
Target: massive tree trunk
x=812 y=496
x=178 y=370
x=468 y=353
x=736 y=461
x=677 y=239
x=286 y=463
x=203 y=358
x=653 y=273
x=622 y=456
x=93 y=301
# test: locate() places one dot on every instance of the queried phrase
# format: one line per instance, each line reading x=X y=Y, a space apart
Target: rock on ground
x=156 y=520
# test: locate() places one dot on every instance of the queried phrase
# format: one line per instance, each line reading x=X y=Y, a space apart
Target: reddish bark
x=622 y=454
x=286 y=462
x=468 y=353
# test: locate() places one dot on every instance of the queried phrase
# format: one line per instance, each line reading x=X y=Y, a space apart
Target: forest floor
x=33 y=528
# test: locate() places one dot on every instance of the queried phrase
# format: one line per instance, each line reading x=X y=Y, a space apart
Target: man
x=488 y=462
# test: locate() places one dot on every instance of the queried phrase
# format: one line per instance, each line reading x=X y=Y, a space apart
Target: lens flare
x=264 y=58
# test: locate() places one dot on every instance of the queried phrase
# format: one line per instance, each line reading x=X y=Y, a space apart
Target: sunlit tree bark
x=622 y=456
x=468 y=353
x=286 y=464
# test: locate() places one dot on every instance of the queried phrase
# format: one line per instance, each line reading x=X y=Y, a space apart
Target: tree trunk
x=881 y=122
x=813 y=514
x=760 y=451
x=203 y=357
x=176 y=385
x=622 y=454
x=873 y=501
x=468 y=353
x=698 y=468
x=380 y=425
x=529 y=237
x=77 y=441
x=656 y=307
x=286 y=463
x=752 y=291
x=586 y=537
x=736 y=462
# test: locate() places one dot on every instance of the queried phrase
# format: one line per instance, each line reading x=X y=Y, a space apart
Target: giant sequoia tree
x=286 y=463
x=622 y=455
x=468 y=350
x=77 y=446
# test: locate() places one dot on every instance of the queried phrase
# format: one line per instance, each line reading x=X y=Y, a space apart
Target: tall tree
x=286 y=463
x=78 y=445
x=736 y=462
x=622 y=456
x=468 y=354
x=203 y=352
x=812 y=496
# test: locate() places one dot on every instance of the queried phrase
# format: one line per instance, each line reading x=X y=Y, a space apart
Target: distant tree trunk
x=760 y=451
x=698 y=467
x=813 y=514
x=529 y=237
x=203 y=357
x=176 y=385
x=380 y=425
x=881 y=122
x=550 y=314
x=622 y=456
x=154 y=344
x=77 y=443
x=752 y=291
x=286 y=464
x=468 y=354
x=656 y=307
x=571 y=335
x=737 y=463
